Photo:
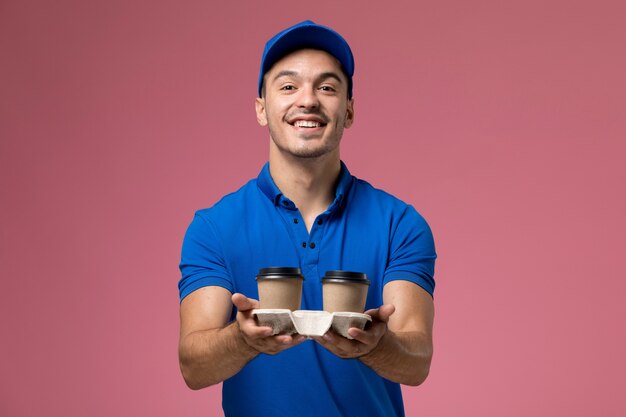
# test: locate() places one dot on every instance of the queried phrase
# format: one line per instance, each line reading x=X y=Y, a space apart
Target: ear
x=349 y=114
x=261 y=116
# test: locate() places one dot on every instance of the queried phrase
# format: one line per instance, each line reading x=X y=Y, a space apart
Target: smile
x=307 y=123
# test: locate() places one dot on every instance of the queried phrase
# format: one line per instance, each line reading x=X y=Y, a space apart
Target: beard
x=305 y=149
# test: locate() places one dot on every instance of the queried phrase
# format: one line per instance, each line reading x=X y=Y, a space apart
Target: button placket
x=312 y=251
x=295 y=225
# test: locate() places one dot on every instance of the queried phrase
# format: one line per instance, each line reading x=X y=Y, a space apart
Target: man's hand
x=258 y=337
x=364 y=341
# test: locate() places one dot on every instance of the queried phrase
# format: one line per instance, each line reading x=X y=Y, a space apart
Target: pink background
x=504 y=123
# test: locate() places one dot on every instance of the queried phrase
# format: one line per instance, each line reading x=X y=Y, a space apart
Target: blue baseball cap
x=308 y=34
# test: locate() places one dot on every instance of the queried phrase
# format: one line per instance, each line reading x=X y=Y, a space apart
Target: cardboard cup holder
x=310 y=322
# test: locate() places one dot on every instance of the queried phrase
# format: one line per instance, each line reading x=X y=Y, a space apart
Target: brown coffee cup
x=280 y=288
x=344 y=291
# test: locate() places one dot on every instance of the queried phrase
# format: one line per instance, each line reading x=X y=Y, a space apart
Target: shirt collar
x=344 y=184
x=267 y=185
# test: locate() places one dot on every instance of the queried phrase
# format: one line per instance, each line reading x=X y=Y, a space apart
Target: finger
x=319 y=339
x=327 y=341
x=244 y=303
x=369 y=338
x=360 y=335
x=276 y=344
x=256 y=332
x=339 y=342
x=289 y=339
x=297 y=339
x=249 y=327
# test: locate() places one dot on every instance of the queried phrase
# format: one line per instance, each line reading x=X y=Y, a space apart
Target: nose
x=307 y=98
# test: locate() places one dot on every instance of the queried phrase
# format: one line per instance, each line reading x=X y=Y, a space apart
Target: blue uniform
x=364 y=229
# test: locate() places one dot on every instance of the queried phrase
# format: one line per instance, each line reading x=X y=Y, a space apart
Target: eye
x=327 y=88
x=288 y=87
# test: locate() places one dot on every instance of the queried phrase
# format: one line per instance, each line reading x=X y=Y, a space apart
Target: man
x=305 y=209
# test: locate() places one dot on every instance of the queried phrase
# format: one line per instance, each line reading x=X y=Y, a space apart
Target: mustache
x=321 y=116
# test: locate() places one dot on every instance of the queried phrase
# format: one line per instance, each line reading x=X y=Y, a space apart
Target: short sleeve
x=202 y=259
x=412 y=252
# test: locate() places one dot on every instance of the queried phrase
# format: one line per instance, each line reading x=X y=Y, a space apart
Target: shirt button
x=312 y=245
x=295 y=221
x=320 y=221
x=304 y=244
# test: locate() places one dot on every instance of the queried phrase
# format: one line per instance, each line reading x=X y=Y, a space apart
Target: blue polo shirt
x=364 y=229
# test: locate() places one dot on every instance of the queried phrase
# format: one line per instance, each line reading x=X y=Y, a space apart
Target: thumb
x=244 y=303
x=383 y=312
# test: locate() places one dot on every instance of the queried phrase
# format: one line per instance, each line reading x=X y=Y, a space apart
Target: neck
x=308 y=182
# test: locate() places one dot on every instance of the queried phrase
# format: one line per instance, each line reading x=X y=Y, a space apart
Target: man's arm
x=210 y=349
x=398 y=343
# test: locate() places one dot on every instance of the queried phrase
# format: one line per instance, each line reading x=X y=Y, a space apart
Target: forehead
x=308 y=61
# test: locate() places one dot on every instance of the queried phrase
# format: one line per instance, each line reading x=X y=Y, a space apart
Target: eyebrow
x=322 y=76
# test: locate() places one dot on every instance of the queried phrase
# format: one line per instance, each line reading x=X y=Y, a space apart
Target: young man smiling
x=305 y=209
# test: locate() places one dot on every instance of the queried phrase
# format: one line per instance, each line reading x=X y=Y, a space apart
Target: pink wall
x=502 y=122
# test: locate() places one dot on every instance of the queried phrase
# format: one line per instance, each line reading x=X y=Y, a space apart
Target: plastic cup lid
x=346 y=276
x=276 y=272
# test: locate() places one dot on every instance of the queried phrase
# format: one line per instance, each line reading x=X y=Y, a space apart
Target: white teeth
x=307 y=123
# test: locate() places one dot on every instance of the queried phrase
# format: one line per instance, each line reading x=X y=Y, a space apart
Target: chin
x=309 y=154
